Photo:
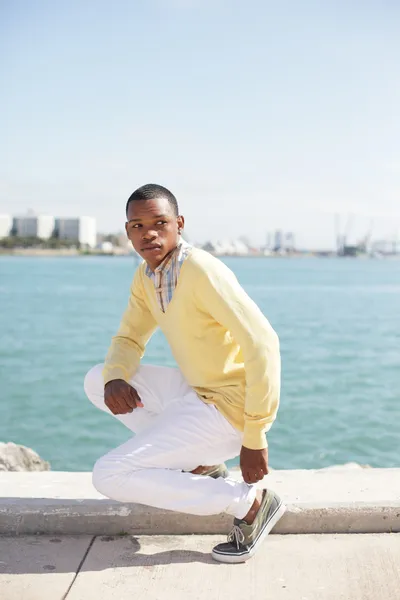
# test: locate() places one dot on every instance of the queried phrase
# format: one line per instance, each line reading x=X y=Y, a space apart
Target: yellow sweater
x=223 y=344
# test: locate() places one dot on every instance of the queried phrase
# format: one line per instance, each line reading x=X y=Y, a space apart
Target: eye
x=135 y=226
x=161 y=222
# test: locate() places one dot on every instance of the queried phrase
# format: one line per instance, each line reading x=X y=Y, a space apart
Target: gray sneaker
x=217 y=471
x=244 y=540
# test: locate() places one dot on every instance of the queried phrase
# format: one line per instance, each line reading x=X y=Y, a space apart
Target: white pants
x=175 y=432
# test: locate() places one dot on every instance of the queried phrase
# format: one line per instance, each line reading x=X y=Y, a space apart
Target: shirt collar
x=166 y=264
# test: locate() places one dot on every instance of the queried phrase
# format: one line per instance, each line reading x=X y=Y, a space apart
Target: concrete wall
x=325 y=501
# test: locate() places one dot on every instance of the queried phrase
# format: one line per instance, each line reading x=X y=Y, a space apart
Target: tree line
x=14 y=241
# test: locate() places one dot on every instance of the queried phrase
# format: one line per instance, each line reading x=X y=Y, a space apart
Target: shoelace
x=236 y=536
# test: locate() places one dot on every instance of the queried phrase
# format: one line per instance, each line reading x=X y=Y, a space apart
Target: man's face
x=152 y=227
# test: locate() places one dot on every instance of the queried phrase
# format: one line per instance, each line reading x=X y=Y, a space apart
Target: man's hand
x=254 y=464
x=120 y=397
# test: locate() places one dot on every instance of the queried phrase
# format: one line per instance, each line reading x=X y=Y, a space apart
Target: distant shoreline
x=39 y=252
x=69 y=252
x=35 y=252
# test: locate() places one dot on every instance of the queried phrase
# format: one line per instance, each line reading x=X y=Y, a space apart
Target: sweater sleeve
x=224 y=299
x=128 y=345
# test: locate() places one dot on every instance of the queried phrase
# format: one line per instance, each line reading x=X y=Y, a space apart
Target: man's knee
x=102 y=477
x=110 y=476
x=93 y=383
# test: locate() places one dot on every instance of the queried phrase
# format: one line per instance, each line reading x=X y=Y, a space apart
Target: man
x=217 y=405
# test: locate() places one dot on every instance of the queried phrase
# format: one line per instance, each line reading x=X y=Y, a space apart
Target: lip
x=151 y=247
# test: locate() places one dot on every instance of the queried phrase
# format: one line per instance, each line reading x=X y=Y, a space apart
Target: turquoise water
x=338 y=321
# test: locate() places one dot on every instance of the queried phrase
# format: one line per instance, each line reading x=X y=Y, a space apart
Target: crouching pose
x=217 y=405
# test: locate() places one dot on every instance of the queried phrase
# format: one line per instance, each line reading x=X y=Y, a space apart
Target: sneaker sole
x=234 y=558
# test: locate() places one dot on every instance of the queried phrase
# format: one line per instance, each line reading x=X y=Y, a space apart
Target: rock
x=19 y=458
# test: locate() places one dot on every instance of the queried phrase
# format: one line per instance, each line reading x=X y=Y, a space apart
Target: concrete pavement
x=290 y=567
x=36 y=568
x=103 y=566
x=338 y=500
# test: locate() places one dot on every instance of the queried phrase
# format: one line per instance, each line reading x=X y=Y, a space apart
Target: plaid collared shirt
x=165 y=277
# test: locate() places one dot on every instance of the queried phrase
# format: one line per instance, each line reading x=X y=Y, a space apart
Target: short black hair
x=151 y=191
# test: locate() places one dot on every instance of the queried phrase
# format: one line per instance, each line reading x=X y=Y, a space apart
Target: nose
x=149 y=235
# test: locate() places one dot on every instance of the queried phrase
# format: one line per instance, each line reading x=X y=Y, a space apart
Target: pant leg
x=148 y=468
x=156 y=386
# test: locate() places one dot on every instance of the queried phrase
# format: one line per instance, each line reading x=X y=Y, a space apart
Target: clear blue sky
x=256 y=114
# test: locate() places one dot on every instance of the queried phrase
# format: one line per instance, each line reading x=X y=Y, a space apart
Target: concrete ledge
x=323 y=501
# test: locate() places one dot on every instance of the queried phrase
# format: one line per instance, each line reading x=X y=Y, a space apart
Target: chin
x=154 y=258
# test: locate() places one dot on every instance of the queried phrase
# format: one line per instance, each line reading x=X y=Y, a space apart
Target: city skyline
x=344 y=231
x=257 y=118
x=84 y=229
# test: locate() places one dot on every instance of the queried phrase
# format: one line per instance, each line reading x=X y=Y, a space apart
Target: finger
x=245 y=476
x=124 y=402
x=108 y=401
x=128 y=399
x=131 y=398
x=264 y=468
x=250 y=477
x=111 y=406
x=121 y=405
x=126 y=407
x=247 y=479
x=257 y=475
x=136 y=397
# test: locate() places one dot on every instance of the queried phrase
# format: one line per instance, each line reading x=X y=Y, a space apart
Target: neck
x=154 y=267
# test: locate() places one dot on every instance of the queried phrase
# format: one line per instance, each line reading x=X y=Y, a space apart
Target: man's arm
x=222 y=296
x=136 y=328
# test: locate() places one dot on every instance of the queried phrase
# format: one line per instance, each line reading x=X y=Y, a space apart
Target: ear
x=126 y=228
x=181 y=222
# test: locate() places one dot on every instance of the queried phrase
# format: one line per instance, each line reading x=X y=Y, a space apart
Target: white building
x=41 y=226
x=231 y=247
x=79 y=229
x=227 y=248
x=5 y=225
